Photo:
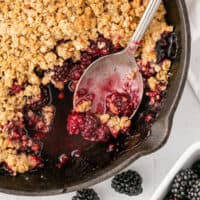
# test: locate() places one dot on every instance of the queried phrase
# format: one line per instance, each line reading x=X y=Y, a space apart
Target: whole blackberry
x=194 y=191
x=91 y=123
x=86 y=194
x=102 y=134
x=129 y=183
x=119 y=104
x=88 y=126
x=196 y=168
x=75 y=123
x=86 y=59
x=182 y=182
x=61 y=73
x=166 y=47
x=75 y=72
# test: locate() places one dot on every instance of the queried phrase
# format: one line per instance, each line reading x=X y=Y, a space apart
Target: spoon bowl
x=113 y=73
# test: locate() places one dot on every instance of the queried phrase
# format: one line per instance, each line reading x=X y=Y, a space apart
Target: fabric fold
x=194 y=70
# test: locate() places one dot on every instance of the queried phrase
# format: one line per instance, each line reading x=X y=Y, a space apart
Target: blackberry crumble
x=41 y=54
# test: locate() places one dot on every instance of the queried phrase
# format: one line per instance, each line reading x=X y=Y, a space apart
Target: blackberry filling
x=166 y=47
x=119 y=104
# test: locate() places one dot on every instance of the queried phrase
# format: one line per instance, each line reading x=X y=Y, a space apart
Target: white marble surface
x=153 y=168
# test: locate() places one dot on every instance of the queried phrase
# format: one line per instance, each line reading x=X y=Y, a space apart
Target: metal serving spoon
x=109 y=73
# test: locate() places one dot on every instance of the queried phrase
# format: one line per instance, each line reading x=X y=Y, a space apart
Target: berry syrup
x=58 y=141
x=61 y=150
x=64 y=151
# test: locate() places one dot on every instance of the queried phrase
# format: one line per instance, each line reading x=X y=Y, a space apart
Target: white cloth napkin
x=194 y=71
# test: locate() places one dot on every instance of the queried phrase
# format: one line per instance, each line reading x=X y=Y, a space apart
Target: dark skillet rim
x=123 y=162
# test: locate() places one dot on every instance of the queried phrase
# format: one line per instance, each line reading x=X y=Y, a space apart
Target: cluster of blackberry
x=186 y=184
x=129 y=183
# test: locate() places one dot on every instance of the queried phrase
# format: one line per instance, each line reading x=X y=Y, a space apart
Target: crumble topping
x=83 y=106
x=14 y=160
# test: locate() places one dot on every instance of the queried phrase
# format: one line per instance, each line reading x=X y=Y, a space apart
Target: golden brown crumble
x=117 y=124
x=83 y=106
x=15 y=161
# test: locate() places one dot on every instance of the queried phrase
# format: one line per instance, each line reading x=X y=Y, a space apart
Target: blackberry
x=129 y=183
x=182 y=182
x=86 y=59
x=88 y=126
x=119 y=104
x=91 y=123
x=196 y=168
x=75 y=72
x=93 y=130
x=60 y=74
x=81 y=165
x=194 y=191
x=86 y=194
x=166 y=47
x=75 y=122
x=102 y=134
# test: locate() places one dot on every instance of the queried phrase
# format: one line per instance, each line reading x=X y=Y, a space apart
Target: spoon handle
x=144 y=24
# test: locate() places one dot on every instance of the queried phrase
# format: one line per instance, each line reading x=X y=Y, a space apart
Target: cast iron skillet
x=49 y=182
